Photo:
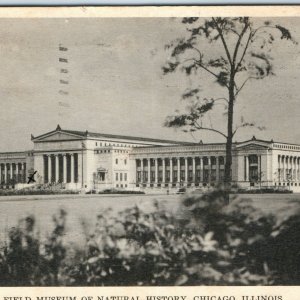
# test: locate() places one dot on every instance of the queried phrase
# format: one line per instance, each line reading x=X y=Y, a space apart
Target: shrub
x=115 y=191
x=27 y=261
x=210 y=243
x=36 y=192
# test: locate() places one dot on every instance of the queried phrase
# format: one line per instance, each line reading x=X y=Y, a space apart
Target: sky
x=116 y=84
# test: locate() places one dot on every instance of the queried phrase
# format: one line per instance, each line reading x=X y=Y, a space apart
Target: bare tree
x=243 y=54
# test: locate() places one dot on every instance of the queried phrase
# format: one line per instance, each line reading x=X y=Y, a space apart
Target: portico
x=61 y=168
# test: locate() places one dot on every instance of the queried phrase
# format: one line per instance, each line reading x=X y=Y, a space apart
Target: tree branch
x=245 y=50
x=208 y=70
x=223 y=41
x=243 y=84
x=238 y=44
x=210 y=129
x=219 y=99
x=198 y=62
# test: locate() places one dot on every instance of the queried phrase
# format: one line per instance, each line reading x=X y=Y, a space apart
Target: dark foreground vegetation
x=208 y=243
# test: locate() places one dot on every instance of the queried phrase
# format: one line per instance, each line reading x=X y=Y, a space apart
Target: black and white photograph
x=150 y=150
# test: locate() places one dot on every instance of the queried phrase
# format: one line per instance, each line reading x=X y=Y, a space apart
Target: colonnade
x=61 y=168
x=288 y=168
x=177 y=171
x=12 y=173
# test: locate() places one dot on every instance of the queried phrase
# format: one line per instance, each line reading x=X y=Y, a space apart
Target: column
x=11 y=171
x=56 y=168
x=44 y=169
x=297 y=169
x=209 y=168
x=171 y=170
x=5 y=173
x=49 y=169
x=287 y=177
x=201 y=168
x=24 y=171
x=64 y=168
x=194 y=169
x=149 y=170
x=21 y=173
x=156 y=170
x=72 y=167
x=247 y=168
x=279 y=168
x=283 y=168
x=163 y=170
x=17 y=172
x=259 y=169
x=186 y=171
x=294 y=169
x=142 y=170
x=218 y=169
x=178 y=169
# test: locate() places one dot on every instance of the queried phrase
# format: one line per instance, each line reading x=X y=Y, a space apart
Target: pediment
x=253 y=146
x=58 y=136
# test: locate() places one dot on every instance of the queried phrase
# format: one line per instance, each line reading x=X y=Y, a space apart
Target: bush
x=36 y=192
x=265 y=190
x=210 y=243
x=28 y=261
x=115 y=191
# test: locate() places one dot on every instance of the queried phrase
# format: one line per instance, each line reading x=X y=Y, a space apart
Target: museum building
x=86 y=160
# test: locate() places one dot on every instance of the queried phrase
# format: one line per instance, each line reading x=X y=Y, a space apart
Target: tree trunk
x=228 y=162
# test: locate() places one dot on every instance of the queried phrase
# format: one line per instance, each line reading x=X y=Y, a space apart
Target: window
x=152 y=174
x=117 y=161
x=145 y=175
x=198 y=175
x=117 y=176
x=139 y=176
x=125 y=176
x=253 y=159
x=121 y=176
x=213 y=160
x=96 y=144
x=117 y=185
x=182 y=175
x=167 y=176
x=125 y=161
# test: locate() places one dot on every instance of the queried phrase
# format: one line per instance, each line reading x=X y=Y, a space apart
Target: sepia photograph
x=150 y=150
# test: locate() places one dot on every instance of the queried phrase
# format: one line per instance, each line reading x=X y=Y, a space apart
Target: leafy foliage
x=246 y=54
x=242 y=52
x=210 y=243
x=26 y=260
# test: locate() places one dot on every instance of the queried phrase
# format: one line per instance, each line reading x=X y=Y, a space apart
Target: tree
x=243 y=54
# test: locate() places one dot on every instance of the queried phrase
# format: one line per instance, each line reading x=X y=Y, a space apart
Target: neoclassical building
x=86 y=160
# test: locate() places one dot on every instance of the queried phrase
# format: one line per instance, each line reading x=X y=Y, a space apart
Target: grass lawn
x=83 y=209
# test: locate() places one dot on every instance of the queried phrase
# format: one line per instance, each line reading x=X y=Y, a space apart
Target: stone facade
x=84 y=160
